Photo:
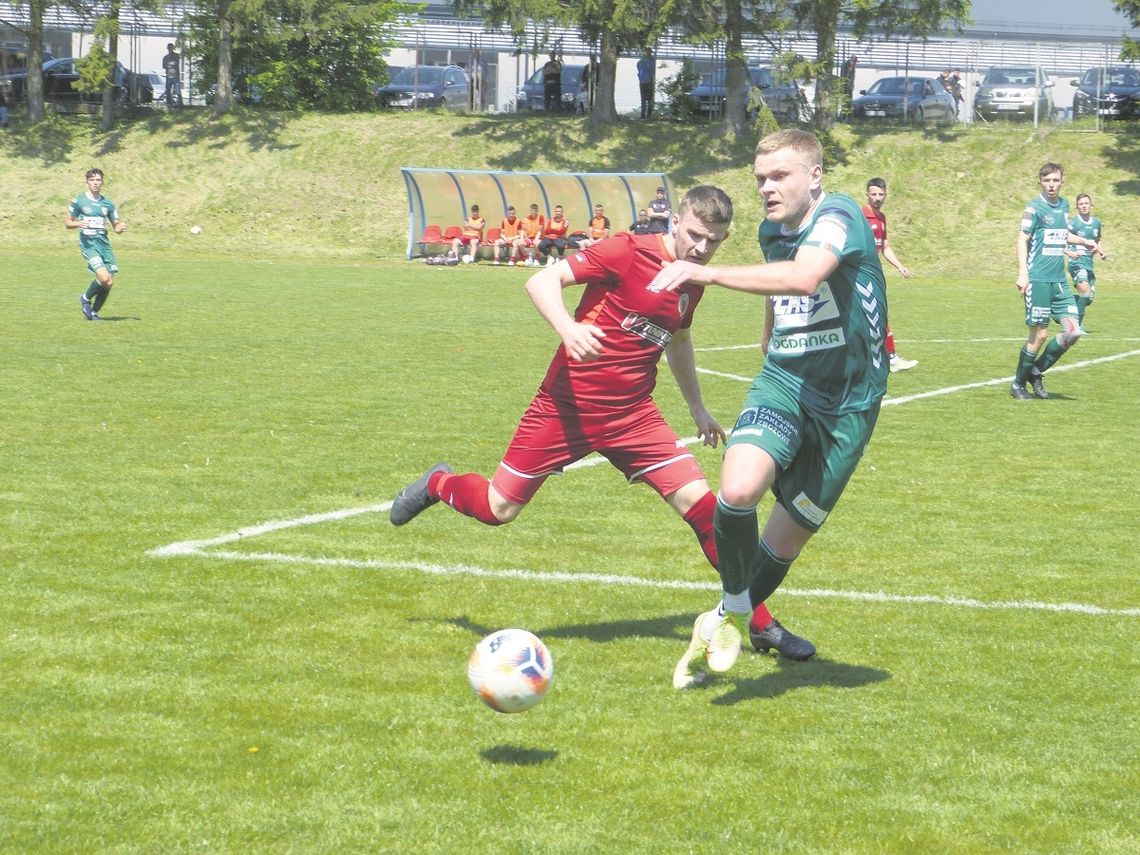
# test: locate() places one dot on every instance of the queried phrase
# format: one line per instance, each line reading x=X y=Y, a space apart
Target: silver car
x=1015 y=92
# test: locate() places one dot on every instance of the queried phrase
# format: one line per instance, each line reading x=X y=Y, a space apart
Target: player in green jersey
x=1041 y=280
x=90 y=213
x=811 y=410
x=1084 y=224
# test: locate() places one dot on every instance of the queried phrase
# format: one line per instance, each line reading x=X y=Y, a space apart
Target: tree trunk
x=34 y=82
x=113 y=51
x=604 y=113
x=826 y=19
x=736 y=78
x=224 y=96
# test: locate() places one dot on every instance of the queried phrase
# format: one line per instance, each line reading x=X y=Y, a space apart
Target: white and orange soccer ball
x=510 y=670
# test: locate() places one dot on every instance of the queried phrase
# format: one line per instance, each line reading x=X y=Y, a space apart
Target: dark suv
x=1112 y=92
x=1015 y=91
x=784 y=100
x=532 y=95
x=418 y=86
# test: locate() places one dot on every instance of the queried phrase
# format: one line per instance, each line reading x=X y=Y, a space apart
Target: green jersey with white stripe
x=1047 y=225
x=1089 y=229
x=828 y=349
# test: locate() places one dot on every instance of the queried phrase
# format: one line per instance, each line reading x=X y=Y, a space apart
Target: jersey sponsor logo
x=809 y=510
x=797 y=343
x=579 y=257
x=799 y=312
x=1056 y=236
x=641 y=326
x=755 y=421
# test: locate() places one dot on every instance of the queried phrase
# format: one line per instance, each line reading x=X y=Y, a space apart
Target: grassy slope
x=309 y=185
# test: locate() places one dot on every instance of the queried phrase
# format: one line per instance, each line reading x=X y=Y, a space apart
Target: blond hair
x=805 y=144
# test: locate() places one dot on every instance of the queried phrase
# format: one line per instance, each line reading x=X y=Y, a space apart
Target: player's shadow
x=106 y=319
x=516 y=755
x=815 y=672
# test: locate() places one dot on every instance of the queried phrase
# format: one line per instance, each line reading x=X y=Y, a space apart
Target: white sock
x=740 y=603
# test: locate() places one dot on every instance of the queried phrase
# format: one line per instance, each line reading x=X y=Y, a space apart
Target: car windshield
x=894 y=86
x=1010 y=77
x=762 y=77
x=1112 y=77
x=419 y=73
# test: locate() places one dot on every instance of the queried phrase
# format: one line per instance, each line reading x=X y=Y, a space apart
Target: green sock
x=1024 y=363
x=1053 y=351
x=737 y=542
x=1082 y=302
x=92 y=289
x=769 y=573
x=100 y=299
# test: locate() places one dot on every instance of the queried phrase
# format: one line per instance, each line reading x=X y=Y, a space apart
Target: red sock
x=700 y=520
x=466 y=493
x=761 y=617
x=890 y=342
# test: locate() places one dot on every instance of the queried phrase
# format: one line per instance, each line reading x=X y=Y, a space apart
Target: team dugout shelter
x=440 y=199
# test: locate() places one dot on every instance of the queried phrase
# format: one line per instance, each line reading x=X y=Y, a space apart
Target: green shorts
x=99 y=254
x=815 y=453
x=1048 y=300
x=1083 y=274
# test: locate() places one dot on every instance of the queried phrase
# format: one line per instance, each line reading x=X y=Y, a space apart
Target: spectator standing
x=646 y=78
x=172 y=70
x=472 y=236
x=660 y=212
x=554 y=236
x=552 y=84
x=3 y=110
x=877 y=220
x=643 y=226
x=957 y=90
x=849 y=76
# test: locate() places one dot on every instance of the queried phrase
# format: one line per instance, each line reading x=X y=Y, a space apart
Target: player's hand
x=708 y=428
x=583 y=342
x=120 y=227
x=674 y=274
x=1022 y=284
x=905 y=271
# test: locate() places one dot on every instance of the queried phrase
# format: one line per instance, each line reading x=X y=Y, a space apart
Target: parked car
x=60 y=74
x=575 y=93
x=1015 y=91
x=420 y=86
x=1112 y=92
x=784 y=100
x=924 y=99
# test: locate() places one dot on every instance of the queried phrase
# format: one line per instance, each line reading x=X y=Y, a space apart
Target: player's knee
x=1070 y=336
x=505 y=511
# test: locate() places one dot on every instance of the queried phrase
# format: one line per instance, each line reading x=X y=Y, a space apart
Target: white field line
x=205 y=548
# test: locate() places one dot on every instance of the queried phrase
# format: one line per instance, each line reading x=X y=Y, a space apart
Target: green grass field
x=213 y=640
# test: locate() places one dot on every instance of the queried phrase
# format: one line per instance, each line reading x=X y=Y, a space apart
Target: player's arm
x=769 y=325
x=801 y=276
x=118 y=225
x=1023 y=261
x=1087 y=243
x=683 y=365
x=582 y=341
x=889 y=255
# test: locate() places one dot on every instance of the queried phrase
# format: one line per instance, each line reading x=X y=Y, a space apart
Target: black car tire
x=919 y=115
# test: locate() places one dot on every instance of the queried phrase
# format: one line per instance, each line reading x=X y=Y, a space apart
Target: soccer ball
x=195 y=230
x=510 y=670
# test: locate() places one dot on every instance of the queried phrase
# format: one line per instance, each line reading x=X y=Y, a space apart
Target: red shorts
x=636 y=440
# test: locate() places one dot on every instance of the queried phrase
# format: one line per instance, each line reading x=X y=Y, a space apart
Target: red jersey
x=638 y=323
x=878 y=223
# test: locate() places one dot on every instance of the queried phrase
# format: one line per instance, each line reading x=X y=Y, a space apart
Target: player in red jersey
x=597 y=393
x=873 y=211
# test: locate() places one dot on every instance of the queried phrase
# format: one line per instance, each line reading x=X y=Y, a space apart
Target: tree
x=914 y=18
x=294 y=54
x=34 y=33
x=1130 y=9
